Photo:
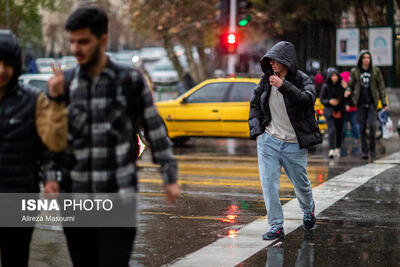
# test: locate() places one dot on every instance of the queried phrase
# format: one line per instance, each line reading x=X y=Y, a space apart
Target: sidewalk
x=358 y=225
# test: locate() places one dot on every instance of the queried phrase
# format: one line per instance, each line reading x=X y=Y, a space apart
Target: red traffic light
x=228 y=43
x=231 y=38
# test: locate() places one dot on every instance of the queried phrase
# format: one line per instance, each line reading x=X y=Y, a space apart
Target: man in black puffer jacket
x=282 y=119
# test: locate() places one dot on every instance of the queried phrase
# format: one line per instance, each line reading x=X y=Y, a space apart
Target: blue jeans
x=272 y=155
x=355 y=128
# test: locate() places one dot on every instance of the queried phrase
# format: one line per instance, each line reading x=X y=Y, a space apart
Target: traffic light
x=229 y=42
x=243 y=13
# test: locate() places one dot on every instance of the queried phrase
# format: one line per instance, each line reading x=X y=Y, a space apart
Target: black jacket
x=20 y=146
x=298 y=93
x=330 y=91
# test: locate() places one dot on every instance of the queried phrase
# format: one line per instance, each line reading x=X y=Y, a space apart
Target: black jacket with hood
x=329 y=91
x=20 y=145
x=298 y=93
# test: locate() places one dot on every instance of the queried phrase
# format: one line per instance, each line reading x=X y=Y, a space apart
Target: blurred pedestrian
x=367 y=87
x=104 y=100
x=32 y=66
x=350 y=116
x=318 y=82
x=332 y=97
x=27 y=121
x=186 y=84
x=282 y=119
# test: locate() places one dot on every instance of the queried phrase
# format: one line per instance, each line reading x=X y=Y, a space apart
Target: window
x=241 y=92
x=213 y=92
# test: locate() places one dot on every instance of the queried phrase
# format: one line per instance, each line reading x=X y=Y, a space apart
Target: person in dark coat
x=25 y=128
x=367 y=87
x=282 y=120
x=332 y=97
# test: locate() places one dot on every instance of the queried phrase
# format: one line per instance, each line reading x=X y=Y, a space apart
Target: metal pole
x=232 y=28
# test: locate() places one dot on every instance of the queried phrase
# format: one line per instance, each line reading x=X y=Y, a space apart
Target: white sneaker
x=337 y=152
x=331 y=153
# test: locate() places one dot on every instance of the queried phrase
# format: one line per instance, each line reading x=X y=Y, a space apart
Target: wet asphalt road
x=221 y=193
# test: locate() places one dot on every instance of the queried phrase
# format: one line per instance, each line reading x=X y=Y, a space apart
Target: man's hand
x=334 y=101
x=52 y=188
x=347 y=93
x=274 y=80
x=56 y=83
x=172 y=191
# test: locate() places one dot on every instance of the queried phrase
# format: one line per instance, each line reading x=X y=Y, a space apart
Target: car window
x=39 y=84
x=241 y=92
x=213 y=92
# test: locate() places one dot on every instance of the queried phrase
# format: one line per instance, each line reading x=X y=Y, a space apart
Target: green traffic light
x=243 y=22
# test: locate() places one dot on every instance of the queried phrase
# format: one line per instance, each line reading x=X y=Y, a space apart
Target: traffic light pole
x=232 y=28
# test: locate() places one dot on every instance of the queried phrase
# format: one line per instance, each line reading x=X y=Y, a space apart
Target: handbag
x=337 y=114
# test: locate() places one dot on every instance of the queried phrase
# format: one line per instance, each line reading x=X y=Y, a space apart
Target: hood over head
x=359 y=62
x=329 y=72
x=11 y=53
x=282 y=52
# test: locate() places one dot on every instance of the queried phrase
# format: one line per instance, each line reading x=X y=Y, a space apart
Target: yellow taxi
x=213 y=108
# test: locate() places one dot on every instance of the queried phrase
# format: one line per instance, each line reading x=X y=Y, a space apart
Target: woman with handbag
x=332 y=97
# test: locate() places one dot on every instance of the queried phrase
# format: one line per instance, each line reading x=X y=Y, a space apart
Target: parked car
x=36 y=81
x=44 y=64
x=213 y=108
x=68 y=62
x=152 y=53
x=127 y=57
x=164 y=74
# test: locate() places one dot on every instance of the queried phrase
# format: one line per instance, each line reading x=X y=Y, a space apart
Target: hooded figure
x=282 y=119
x=332 y=97
x=331 y=90
x=10 y=53
x=298 y=94
x=27 y=119
x=367 y=87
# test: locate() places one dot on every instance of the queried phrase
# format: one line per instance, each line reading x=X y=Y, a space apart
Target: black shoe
x=275 y=232
x=309 y=220
x=364 y=155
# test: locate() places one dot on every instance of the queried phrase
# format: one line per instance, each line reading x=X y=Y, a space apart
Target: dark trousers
x=100 y=246
x=14 y=246
x=367 y=116
x=335 y=130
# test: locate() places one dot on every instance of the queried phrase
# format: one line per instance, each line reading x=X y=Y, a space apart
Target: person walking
x=367 y=87
x=350 y=116
x=29 y=121
x=282 y=120
x=104 y=101
x=332 y=97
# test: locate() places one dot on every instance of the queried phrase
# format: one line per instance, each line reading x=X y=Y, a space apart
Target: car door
x=235 y=112
x=199 y=113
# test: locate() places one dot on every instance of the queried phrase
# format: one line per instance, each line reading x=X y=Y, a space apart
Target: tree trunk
x=203 y=72
x=171 y=55
x=189 y=56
